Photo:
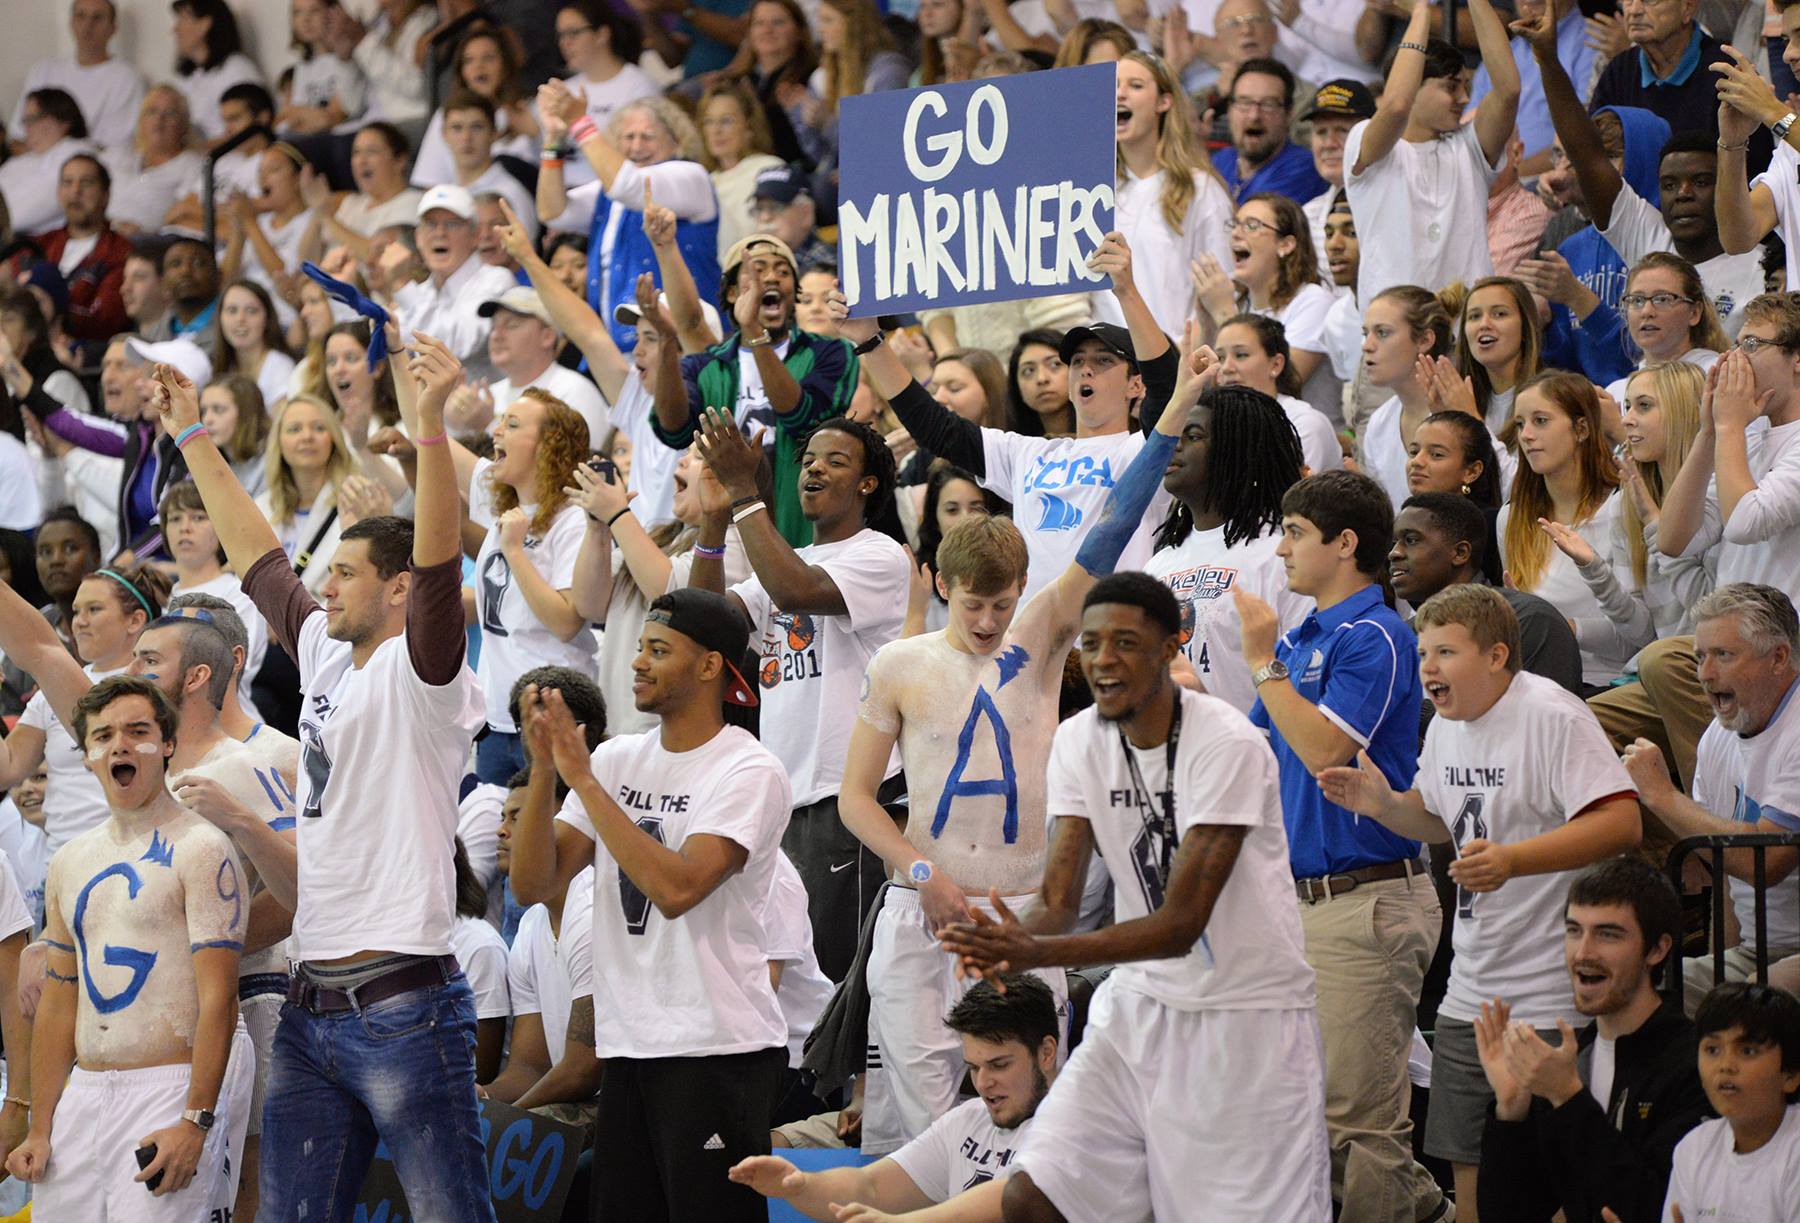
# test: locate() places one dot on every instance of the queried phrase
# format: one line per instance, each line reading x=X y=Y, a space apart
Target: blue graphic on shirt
x=1051 y=475
x=1006 y=785
x=631 y=897
x=1055 y=514
x=139 y=962
x=160 y=852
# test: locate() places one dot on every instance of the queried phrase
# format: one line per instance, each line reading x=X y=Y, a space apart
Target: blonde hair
x=1526 y=546
x=1706 y=332
x=1178 y=152
x=284 y=491
x=755 y=119
x=847 y=71
x=1482 y=610
x=1679 y=385
x=674 y=120
x=181 y=103
x=1073 y=51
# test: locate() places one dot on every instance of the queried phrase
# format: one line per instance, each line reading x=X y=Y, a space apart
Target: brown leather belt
x=1324 y=887
x=420 y=974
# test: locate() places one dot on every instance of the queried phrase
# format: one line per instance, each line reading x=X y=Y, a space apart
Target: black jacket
x=1578 y=1159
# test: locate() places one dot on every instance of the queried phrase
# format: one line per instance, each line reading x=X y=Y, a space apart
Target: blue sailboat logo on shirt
x=1055 y=514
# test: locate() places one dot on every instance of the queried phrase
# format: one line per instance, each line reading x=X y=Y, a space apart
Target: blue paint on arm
x=285 y=823
x=230 y=889
x=218 y=944
x=1123 y=511
x=1011 y=662
x=50 y=942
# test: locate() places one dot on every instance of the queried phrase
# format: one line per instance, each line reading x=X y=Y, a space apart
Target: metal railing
x=1758 y=844
x=208 y=208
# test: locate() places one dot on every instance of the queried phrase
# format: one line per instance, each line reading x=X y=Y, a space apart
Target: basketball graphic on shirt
x=801 y=631
x=790 y=655
x=770 y=674
x=1189 y=621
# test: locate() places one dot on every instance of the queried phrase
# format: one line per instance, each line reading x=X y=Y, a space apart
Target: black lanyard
x=1142 y=792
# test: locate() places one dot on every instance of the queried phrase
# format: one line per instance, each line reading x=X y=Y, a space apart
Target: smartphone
x=605 y=468
x=144 y=1155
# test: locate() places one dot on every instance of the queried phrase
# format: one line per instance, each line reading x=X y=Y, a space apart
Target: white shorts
x=94 y=1138
x=915 y=1063
x=260 y=1013
x=1197 y=1116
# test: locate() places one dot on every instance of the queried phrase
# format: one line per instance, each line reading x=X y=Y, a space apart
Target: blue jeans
x=498 y=756
x=400 y=1072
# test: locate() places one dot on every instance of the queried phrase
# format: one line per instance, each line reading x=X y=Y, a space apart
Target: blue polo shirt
x=1290 y=172
x=1359 y=663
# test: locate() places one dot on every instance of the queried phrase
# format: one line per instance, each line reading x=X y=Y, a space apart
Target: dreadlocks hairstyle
x=878 y=461
x=1253 y=458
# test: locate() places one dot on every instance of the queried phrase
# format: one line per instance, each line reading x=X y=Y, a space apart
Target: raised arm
x=552 y=186
x=1600 y=182
x=793 y=585
x=29 y=641
x=678 y=281
x=568 y=310
x=1746 y=214
x=939 y=431
x=1494 y=117
x=1684 y=503
x=436 y=538
x=243 y=531
x=546 y=853
x=1395 y=108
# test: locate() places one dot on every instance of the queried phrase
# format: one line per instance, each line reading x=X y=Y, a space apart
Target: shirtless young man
x=137 y=1041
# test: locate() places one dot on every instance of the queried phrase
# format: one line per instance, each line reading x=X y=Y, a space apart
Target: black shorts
x=670 y=1128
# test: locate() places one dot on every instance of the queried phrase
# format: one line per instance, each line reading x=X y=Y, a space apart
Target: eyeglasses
x=1662 y=301
x=1268 y=106
x=1750 y=345
x=1246 y=21
x=574 y=31
x=1254 y=225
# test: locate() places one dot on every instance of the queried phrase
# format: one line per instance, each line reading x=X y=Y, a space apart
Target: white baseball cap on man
x=449 y=197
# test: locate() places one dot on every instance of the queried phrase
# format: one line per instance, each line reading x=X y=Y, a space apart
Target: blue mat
x=808 y=1160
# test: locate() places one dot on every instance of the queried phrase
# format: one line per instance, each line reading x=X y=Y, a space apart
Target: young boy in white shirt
x=1517 y=772
x=1416 y=173
x=1745 y=1165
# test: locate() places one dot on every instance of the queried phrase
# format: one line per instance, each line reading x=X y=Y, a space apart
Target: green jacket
x=826 y=370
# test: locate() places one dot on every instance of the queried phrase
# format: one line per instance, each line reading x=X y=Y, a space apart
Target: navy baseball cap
x=783 y=184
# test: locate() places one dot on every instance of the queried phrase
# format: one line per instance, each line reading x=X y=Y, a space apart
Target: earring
x=1465 y=490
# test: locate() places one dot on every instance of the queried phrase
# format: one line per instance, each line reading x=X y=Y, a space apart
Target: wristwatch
x=1779 y=129
x=199 y=1116
x=869 y=345
x=920 y=872
x=1274 y=669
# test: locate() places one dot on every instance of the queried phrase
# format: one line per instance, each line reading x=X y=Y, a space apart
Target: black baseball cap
x=783 y=184
x=712 y=623
x=1112 y=337
x=1347 y=97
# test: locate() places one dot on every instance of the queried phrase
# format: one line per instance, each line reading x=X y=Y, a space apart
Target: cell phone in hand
x=145 y=1154
x=605 y=468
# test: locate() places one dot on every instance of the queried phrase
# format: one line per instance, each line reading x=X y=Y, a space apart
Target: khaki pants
x=1370 y=949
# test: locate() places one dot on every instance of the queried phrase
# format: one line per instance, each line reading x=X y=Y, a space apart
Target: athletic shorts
x=1456 y=1114
x=1185 y=1117
x=94 y=1138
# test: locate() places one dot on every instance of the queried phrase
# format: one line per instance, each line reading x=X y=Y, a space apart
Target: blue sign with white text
x=984 y=191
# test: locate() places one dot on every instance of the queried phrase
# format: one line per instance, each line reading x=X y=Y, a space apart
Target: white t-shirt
x=1710 y=1180
x=142 y=195
x=498 y=180
x=697 y=984
x=962 y=1149
x=812 y=666
x=1057 y=486
x=1729 y=280
x=753 y=411
x=1251 y=955
x=109 y=94
x=1303 y=320
x=1159 y=255
x=318 y=80
x=1202 y=572
x=265 y=790
x=73 y=799
x=513 y=639
x=375 y=853
x=273 y=377
x=1318 y=438
x=804 y=990
x=285 y=238
x=481 y=951
x=28 y=185
x=362 y=214
x=575 y=389
x=1420 y=211
x=478 y=828
x=604 y=98
x=538 y=968
x=24 y=845
x=1782 y=178
x=1605 y=647
x=227 y=587
x=21 y=501
x=1748 y=779
x=448 y=311
x=203 y=87
x=1527 y=766
x=14 y=914
x=652 y=475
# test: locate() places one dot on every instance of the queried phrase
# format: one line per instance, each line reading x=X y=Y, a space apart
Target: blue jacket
x=1290 y=172
x=1595 y=346
x=632 y=256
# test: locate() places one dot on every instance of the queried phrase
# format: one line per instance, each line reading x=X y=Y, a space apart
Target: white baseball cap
x=626 y=313
x=450 y=198
x=184 y=355
x=519 y=299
